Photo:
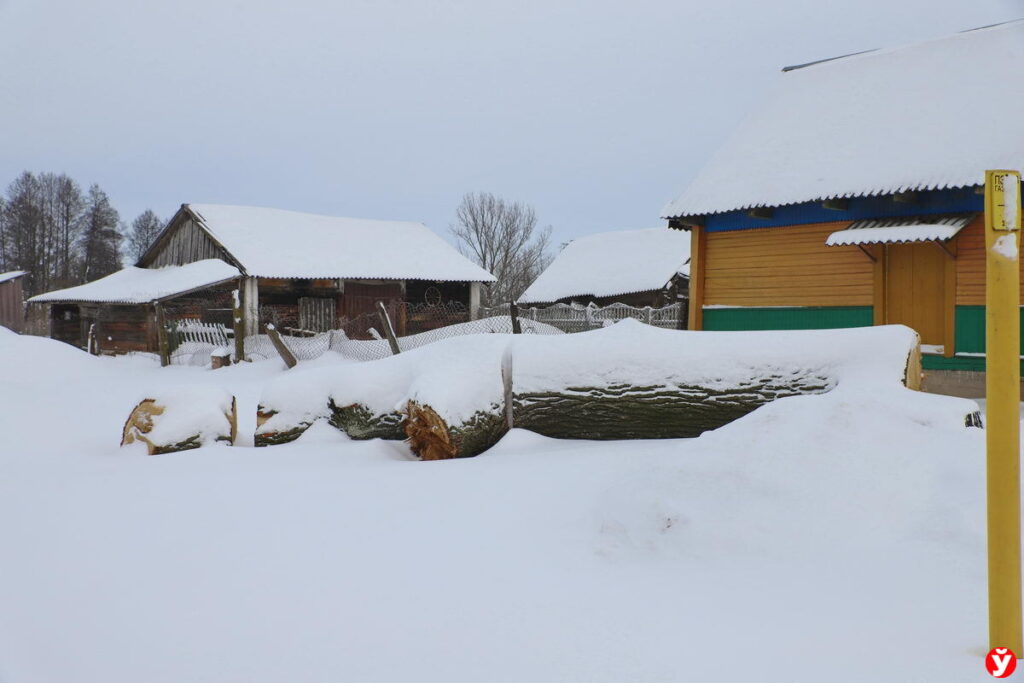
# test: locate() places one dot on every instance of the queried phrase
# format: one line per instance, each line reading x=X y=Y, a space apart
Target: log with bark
x=182 y=420
x=638 y=382
x=458 y=397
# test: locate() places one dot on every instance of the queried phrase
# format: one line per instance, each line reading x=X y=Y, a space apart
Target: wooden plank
x=389 y=330
x=949 y=300
x=698 y=254
x=879 y=284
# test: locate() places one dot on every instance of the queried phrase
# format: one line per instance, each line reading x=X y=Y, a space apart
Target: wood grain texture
x=787 y=266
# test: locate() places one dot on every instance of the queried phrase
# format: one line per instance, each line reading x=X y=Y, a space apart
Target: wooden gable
x=184 y=241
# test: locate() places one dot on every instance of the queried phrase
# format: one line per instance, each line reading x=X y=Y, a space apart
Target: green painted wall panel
x=795 y=318
x=970 y=327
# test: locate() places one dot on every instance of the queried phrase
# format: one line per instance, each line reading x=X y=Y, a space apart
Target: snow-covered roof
x=144 y=285
x=610 y=263
x=932 y=115
x=898 y=230
x=290 y=244
x=10 y=275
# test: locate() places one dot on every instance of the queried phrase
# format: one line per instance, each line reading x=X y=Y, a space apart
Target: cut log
x=278 y=433
x=431 y=438
x=168 y=426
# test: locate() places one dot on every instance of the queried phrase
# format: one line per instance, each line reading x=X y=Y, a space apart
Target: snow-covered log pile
x=181 y=419
x=457 y=397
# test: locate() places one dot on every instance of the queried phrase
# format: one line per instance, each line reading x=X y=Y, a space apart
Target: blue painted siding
x=937 y=201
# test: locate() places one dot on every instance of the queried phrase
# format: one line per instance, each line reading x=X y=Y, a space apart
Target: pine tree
x=100 y=237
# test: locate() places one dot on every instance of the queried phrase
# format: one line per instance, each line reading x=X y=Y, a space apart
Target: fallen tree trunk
x=458 y=397
x=652 y=412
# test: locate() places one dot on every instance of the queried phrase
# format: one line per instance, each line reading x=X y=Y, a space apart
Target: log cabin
x=634 y=267
x=12 y=300
x=296 y=270
x=853 y=196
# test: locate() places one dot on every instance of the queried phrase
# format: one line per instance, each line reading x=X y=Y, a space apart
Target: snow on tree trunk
x=456 y=398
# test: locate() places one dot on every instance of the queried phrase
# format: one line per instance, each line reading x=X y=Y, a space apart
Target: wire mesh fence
x=577 y=318
x=363 y=337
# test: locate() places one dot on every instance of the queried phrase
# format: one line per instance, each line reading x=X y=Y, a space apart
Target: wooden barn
x=12 y=300
x=854 y=197
x=295 y=270
x=634 y=267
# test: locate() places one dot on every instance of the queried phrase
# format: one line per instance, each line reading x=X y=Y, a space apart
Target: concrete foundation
x=963 y=383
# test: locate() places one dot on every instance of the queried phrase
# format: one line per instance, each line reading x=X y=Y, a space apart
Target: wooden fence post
x=163 y=344
x=389 y=331
x=239 y=326
x=286 y=354
x=513 y=312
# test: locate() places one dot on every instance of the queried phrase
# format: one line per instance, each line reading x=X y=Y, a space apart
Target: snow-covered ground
x=821 y=538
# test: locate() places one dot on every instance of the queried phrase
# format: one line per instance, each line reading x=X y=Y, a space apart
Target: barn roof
x=289 y=244
x=144 y=285
x=610 y=263
x=932 y=115
x=11 y=275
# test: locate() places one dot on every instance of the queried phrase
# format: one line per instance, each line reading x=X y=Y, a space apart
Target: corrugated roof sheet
x=290 y=244
x=10 y=275
x=144 y=285
x=610 y=263
x=895 y=120
x=899 y=230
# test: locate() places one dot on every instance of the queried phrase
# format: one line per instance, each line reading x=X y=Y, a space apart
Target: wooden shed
x=12 y=300
x=634 y=267
x=853 y=197
x=126 y=310
x=307 y=271
x=301 y=272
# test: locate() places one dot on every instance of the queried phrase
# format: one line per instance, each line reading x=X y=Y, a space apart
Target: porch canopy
x=934 y=228
x=145 y=285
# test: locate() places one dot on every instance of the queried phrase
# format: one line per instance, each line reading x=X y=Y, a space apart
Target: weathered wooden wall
x=185 y=243
x=970 y=265
x=787 y=266
x=416 y=291
x=66 y=324
x=279 y=299
x=12 y=304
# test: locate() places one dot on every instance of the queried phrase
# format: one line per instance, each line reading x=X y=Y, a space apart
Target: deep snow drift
x=836 y=537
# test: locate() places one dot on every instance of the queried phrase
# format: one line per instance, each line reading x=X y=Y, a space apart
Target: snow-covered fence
x=190 y=341
x=577 y=318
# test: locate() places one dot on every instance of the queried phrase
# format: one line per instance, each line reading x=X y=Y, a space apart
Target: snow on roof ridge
x=270 y=242
x=877 y=128
x=613 y=262
x=12 y=274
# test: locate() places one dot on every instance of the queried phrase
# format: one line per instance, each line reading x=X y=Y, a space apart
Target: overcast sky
x=596 y=113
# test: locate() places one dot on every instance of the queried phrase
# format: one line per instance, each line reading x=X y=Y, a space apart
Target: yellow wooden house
x=853 y=197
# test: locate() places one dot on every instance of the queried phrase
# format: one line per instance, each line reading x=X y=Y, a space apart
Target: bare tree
x=146 y=226
x=502 y=237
